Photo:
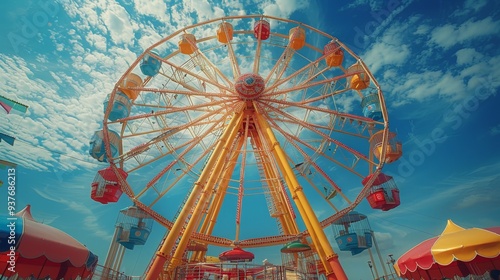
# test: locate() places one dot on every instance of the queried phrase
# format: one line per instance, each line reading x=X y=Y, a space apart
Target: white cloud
x=470 y=6
x=155 y=8
x=475 y=4
x=404 y=45
x=482 y=75
x=386 y=53
x=282 y=8
x=203 y=9
x=235 y=7
x=149 y=36
x=422 y=29
x=495 y=130
x=424 y=85
x=178 y=16
x=468 y=56
x=373 y=4
x=97 y=40
x=119 y=24
x=449 y=35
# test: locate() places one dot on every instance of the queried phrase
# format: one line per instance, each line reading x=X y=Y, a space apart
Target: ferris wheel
x=245 y=132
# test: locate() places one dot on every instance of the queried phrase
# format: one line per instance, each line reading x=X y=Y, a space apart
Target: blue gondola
x=354 y=242
x=136 y=235
x=121 y=107
x=133 y=227
x=353 y=233
x=150 y=65
x=97 y=149
x=371 y=107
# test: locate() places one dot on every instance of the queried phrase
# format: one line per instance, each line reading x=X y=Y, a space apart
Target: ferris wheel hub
x=249 y=86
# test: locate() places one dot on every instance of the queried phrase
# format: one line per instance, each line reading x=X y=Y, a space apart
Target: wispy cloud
x=411 y=43
x=462 y=192
x=66 y=197
x=449 y=35
x=495 y=130
x=282 y=8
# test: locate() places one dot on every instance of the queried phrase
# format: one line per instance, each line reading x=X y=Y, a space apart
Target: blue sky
x=436 y=61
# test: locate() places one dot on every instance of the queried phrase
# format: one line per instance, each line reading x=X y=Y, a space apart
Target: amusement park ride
x=223 y=116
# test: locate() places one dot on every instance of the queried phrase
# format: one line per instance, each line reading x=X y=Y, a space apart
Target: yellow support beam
x=218 y=197
x=289 y=225
x=329 y=258
x=213 y=162
x=215 y=169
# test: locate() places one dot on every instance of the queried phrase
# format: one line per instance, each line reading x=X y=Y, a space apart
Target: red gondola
x=106 y=186
x=384 y=193
x=262 y=29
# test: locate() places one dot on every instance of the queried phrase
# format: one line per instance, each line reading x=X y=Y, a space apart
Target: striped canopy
x=42 y=251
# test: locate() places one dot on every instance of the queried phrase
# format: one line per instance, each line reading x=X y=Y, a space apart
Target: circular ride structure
x=244 y=132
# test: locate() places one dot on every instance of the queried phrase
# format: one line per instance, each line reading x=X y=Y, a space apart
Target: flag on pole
x=7 y=138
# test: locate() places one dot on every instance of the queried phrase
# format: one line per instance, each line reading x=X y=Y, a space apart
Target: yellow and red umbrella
x=456 y=252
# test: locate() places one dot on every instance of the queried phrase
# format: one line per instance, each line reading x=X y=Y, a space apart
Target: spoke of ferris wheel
x=302 y=104
x=305 y=124
x=283 y=61
x=234 y=62
x=174 y=110
x=313 y=163
x=178 y=75
x=327 y=90
x=155 y=158
x=142 y=148
x=193 y=144
x=200 y=57
x=256 y=65
x=295 y=73
x=267 y=93
x=256 y=61
x=364 y=122
x=187 y=93
x=292 y=139
x=169 y=131
x=318 y=190
x=189 y=169
x=331 y=129
x=188 y=72
x=361 y=196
